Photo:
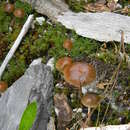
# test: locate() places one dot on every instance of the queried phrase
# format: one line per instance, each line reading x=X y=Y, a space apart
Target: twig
x=116 y=73
x=16 y=44
x=115 y=81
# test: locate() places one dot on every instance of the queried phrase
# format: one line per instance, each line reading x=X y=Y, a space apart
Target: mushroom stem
x=88 y=116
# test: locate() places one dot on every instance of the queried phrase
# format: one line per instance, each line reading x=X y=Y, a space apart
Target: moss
x=107 y=57
x=23 y=5
x=15 y=69
x=4 y=20
x=76 y=5
x=81 y=46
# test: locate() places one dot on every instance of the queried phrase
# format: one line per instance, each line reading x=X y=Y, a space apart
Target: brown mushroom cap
x=19 y=13
x=9 y=8
x=3 y=86
x=67 y=44
x=62 y=63
x=79 y=74
x=91 y=100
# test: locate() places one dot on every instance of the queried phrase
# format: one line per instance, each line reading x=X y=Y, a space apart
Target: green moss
x=23 y=5
x=81 y=46
x=15 y=69
x=107 y=57
x=4 y=20
x=39 y=47
x=76 y=5
x=28 y=117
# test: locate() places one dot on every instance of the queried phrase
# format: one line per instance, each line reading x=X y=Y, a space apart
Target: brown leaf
x=96 y=7
x=111 y=5
x=125 y=10
x=102 y=85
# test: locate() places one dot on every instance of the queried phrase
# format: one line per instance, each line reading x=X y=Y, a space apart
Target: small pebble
x=40 y=20
x=77 y=110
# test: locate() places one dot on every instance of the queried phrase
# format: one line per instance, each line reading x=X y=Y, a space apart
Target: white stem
x=23 y=32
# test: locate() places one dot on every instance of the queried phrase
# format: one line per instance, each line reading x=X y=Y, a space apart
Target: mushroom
x=79 y=74
x=19 y=13
x=62 y=63
x=90 y=100
x=67 y=44
x=63 y=110
x=3 y=86
x=9 y=8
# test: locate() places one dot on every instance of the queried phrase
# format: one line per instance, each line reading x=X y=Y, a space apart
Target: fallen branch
x=16 y=44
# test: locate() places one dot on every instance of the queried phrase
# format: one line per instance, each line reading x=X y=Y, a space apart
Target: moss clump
x=23 y=5
x=76 y=5
x=107 y=57
x=4 y=21
x=14 y=70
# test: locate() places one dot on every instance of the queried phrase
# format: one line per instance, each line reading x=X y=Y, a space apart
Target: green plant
x=76 y=5
x=25 y=6
x=28 y=117
x=4 y=21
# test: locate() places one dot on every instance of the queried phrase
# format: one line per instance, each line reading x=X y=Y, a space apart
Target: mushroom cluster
x=77 y=74
x=10 y=8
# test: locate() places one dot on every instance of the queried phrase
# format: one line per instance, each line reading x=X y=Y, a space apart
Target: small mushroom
x=63 y=110
x=62 y=63
x=19 y=13
x=90 y=100
x=9 y=8
x=3 y=86
x=67 y=44
x=79 y=74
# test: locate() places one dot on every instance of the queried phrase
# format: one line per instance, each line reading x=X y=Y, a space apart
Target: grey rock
x=104 y=26
x=35 y=84
x=51 y=8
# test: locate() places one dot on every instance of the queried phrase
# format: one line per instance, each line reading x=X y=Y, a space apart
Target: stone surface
x=104 y=26
x=50 y=8
x=35 y=84
x=99 y=26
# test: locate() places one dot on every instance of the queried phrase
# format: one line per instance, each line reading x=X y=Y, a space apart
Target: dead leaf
x=102 y=85
x=103 y=47
x=112 y=5
x=125 y=10
x=96 y=7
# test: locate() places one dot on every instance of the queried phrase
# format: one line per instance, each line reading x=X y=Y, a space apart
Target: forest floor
x=46 y=41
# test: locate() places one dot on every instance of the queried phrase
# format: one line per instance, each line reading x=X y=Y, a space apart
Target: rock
x=35 y=84
x=51 y=8
x=40 y=20
x=104 y=26
x=51 y=63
